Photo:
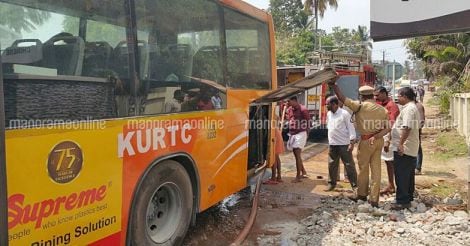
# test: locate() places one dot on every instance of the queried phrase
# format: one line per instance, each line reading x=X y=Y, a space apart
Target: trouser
x=334 y=154
x=368 y=156
x=419 y=158
x=404 y=177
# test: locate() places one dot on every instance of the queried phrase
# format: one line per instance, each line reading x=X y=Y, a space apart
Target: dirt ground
x=282 y=206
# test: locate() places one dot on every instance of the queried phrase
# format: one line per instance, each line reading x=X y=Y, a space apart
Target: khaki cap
x=366 y=90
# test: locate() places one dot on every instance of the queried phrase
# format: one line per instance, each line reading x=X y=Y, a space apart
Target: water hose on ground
x=254 y=209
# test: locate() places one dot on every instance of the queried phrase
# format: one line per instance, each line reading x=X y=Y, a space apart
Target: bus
x=112 y=136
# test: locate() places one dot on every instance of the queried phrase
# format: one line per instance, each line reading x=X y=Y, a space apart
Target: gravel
x=340 y=221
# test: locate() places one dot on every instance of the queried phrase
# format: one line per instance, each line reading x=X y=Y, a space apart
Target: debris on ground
x=340 y=221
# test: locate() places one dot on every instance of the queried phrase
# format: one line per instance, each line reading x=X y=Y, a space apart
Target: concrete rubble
x=340 y=221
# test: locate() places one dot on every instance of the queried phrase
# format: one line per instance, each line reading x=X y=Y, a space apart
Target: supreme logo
x=21 y=212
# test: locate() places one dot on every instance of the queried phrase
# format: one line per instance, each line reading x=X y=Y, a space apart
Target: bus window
x=248 y=56
x=103 y=53
x=185 y=58
x=31 y=43
x=64 y=61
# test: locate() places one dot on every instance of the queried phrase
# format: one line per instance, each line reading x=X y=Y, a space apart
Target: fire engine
x=353 y=69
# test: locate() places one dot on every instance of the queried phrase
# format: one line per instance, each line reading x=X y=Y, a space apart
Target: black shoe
x=356 y=198
x=330 y=187
x=398 y=206
x=374 y=204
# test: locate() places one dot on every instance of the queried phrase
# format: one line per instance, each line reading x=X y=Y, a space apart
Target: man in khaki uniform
x=371 y=122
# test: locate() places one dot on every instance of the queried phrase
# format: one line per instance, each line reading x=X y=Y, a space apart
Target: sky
x=350 y=14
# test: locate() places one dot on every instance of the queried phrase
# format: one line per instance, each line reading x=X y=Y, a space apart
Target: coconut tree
x=365 y=40
x=318 y=7
x=443 y=54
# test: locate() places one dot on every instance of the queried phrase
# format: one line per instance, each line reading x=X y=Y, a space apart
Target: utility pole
x=385 y=78
x=383 y=59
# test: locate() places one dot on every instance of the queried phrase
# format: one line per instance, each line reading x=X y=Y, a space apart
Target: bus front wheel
x=163 y=206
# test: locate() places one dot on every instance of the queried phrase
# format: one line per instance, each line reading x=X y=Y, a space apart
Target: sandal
x=304 y=176
x=387 y=191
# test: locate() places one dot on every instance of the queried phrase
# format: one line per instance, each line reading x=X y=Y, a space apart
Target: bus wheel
x=163 y=206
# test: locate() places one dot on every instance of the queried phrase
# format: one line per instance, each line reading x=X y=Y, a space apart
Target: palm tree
x=443 y=54
x=364 y=38
x=319 y=6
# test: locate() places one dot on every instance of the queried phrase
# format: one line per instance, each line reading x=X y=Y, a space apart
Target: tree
x=293 y=41
x=96 y=31
x=316 y=7
x=444 y=58
x=294 y=50
x=362 y=36
x=21 y=18
x=407 y=68
x=288 y=16
x=443 y=55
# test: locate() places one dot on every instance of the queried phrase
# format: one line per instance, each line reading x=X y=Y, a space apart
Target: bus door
x=285 y=92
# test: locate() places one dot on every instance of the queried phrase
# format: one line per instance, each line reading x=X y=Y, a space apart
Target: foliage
x=294 y=40
x=407 y=68
x=96 y=31
x=21 y=18
x=444 y=58
x=289 y=16
x=294 y=50
x=321 y=6
x=444 y=55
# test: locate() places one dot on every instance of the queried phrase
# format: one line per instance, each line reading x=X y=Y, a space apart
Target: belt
x=367 y=136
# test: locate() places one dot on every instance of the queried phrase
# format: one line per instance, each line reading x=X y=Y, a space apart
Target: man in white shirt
x=341 y=138
x=405 y=139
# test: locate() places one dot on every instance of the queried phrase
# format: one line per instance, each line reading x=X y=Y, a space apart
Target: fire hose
x=254 y=210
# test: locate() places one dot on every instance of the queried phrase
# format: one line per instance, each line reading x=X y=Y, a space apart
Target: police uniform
x=370 y=118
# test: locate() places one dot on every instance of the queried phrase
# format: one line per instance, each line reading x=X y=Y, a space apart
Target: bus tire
x=163 y=207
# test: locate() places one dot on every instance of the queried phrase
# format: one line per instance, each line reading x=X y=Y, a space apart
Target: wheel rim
x=164 y=212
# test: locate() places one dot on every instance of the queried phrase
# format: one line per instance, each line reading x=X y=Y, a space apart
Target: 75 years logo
x=65 y=162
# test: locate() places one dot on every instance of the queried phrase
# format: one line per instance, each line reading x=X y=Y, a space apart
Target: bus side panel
x=216 y=140
x=64 y=186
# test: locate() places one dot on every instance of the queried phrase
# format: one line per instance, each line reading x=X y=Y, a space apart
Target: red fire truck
x=353 y=73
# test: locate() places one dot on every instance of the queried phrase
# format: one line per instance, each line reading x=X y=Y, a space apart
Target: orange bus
x=126 y=118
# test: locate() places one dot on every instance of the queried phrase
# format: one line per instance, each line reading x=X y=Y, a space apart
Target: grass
x=433 y=101
x=450 y=145
x=443 y=190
